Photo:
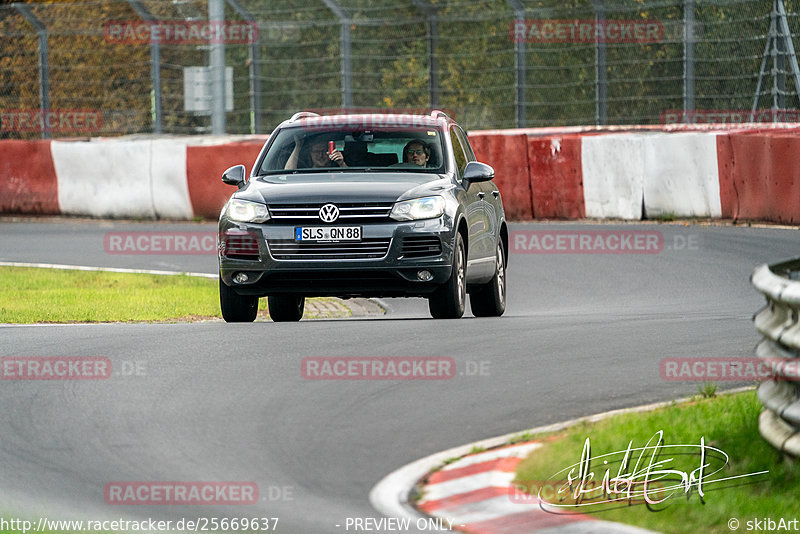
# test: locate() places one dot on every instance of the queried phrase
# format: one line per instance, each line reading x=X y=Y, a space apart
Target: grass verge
x=727 y=422
x=32 y=295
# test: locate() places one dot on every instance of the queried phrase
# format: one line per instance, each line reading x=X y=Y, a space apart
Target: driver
x=417 y=152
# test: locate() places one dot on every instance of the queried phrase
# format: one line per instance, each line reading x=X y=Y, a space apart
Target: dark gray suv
x=367 y=206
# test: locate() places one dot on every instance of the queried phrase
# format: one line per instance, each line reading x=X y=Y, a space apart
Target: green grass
x=31 y=295
x=727 y=422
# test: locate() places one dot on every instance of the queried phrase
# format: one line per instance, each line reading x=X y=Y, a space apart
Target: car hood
x=341 y=187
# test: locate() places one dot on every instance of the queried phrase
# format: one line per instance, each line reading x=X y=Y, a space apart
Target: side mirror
x=478 y=172
x=234 y=176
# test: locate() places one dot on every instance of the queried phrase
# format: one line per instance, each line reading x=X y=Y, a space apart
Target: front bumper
x=394 y=274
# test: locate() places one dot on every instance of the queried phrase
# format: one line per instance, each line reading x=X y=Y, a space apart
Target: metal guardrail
x=777 y=322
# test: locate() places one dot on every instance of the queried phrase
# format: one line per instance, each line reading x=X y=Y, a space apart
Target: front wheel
x=448 y=301
x=490 y=300
x=235 y=307
x=286 y=308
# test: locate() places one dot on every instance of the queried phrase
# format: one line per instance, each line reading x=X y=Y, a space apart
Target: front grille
x=348 y=212
x=287 y=249
x=421 y=246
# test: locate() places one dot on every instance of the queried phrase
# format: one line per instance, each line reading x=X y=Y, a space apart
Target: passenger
x=319 y=155
x=417 y=152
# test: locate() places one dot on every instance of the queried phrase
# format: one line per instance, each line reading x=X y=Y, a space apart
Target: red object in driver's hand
x=331 y=148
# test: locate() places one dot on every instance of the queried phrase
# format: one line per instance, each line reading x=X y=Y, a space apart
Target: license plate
x=327 y=233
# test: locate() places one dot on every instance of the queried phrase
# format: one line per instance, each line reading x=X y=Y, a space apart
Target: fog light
x=240 y=278
x=425 y=276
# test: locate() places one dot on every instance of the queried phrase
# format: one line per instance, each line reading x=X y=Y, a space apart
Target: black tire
x=235 y=307
x=286 y=308
x=490 y=299
x=449 y=301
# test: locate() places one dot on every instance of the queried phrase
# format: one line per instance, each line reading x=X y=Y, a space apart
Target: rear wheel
x=448 y=301
x=235 y=307
x=285 y=308
x=490 y=300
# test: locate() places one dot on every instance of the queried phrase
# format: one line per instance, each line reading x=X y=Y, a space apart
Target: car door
x=475 y=193
x=492 y=206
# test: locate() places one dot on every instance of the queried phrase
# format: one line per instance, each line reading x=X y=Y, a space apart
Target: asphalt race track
x=583 y=333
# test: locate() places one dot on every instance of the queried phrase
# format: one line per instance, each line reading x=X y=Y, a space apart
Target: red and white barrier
x=507 y=152
x=613 y=175
x=681 y=176
x=28 y=182
x=204 y=167
x=572 y=173
x=759 y=176
x=120 y=178
x=171 y=178
x=556 y=176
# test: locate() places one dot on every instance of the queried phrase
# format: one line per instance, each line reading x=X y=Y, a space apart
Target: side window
x=465 y=142
x=458 y=152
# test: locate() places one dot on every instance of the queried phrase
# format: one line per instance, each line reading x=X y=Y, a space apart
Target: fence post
x=254 y=57
x=601 y=83
x=344 y=39
x=433 y=44
x=155 y=68
x=520 y=71
x=688 y=58
x=216 y=14
x=44 y=65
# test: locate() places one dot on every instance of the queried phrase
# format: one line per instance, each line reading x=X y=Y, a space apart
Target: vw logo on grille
x=329 y=213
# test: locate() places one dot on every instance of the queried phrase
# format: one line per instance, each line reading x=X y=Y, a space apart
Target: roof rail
x=436 y=113
x=303 y=115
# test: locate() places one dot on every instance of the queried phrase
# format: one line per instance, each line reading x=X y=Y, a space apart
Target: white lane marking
x=103 y=269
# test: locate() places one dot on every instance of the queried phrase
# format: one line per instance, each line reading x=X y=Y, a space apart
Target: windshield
x=391 y=149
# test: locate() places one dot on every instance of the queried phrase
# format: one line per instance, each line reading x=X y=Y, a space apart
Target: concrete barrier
x=204 y=167
x=122 y=178
x=759 y=177
x=556 y=177
x=508 y=154
x=681 y=176
x=737 y=173
x=28 y=182
x=613 y=175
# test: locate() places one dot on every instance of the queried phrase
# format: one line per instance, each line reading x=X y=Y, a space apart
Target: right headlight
x=418 y=208
x=247 y=211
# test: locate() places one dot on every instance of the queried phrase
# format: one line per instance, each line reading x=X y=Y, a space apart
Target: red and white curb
x=475 y=494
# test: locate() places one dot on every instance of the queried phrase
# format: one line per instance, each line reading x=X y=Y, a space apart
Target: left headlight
x=247 y=211
x=418 y=208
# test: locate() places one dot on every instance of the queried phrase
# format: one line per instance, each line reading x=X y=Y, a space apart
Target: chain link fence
x=117 y=67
